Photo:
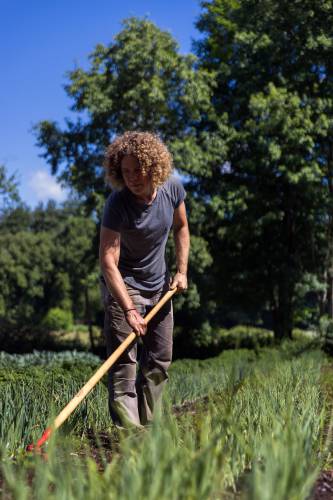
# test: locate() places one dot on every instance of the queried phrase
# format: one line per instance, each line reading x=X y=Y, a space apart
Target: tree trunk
x=329 y=296
x=329 y=303
x=283 y=313
x=322 y=297
x=88 y=318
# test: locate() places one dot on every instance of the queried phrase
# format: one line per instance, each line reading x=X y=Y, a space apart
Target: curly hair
x=152 y=154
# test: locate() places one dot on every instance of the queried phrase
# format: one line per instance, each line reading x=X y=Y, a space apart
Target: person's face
x=139 y=184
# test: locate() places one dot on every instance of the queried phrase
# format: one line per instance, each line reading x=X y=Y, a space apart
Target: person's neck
x=147 y=198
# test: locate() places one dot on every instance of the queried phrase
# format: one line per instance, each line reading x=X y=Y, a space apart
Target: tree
x=276 y=229
x=137 y=82
x=45 y=263
x=9 y=194
x=25 y=266
x=272 y=98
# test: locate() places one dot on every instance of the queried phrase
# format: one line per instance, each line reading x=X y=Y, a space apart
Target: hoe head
x=36 y=448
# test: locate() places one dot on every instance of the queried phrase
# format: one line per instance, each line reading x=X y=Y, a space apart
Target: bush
x=57 y=319
x=245 y=336
x=209 y=341
x=81 y=328
x=299 y=334
x=326 y=333
x=206 y=336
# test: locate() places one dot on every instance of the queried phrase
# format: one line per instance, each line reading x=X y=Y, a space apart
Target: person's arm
x=181 y=236
x=109 y=251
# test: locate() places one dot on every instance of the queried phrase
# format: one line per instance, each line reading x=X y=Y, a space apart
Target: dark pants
x=134 y=394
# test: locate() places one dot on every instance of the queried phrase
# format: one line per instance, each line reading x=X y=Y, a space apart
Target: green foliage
x=245 y=337
x=237 y=337
x=25 y=265
x=326 y=326
x=306 y=335
x=47 y=358
x=209 y=341
x=57 y=319
x=307 y=292
x=325 y=331
x=249 y=123
x=204 y=337
x=267 y=185
x=139 y=81
x=48 y=261
x=262 y=420
x=9 y=195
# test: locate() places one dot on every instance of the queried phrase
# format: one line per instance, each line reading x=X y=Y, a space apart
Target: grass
x=257 y=421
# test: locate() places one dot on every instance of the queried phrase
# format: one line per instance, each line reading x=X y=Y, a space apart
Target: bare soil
x=323 y=489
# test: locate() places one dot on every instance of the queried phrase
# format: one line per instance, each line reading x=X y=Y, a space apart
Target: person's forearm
x=182 y=243
x=116 y=285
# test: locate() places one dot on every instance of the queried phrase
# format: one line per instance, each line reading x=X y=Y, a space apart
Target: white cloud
x=44 y=187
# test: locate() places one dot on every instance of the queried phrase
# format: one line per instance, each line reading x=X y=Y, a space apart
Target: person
x=138 y=216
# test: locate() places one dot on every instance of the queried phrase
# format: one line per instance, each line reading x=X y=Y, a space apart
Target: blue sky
x=40 y=42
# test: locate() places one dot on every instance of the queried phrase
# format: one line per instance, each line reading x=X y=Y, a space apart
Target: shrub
x=57 y=319
x=299 y=334
x=209 y=340
x=326 y=332
x=206 y=336
x=245 y=336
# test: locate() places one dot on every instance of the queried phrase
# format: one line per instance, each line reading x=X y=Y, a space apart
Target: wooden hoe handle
x=70 y=407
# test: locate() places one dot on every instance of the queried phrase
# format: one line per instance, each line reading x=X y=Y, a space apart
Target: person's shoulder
x=115 y=199
x=172 y=183
x=175 y=190
x=113 y=214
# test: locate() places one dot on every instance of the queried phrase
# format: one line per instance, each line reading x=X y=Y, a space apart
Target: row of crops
x=255 y=423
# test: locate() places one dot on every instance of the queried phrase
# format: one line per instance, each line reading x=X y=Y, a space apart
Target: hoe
x=70 y=407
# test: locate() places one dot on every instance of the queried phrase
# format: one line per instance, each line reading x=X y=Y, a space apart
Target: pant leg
x=123 y=403
x=154 y=361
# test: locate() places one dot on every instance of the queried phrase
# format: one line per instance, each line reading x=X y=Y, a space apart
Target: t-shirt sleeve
x=177 y=191
x=112 y=214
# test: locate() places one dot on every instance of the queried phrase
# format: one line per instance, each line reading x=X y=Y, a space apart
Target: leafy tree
x=268 y=176
x=137 y=82
x=9 y=194
x=15 y=218
x=75 y=259
x=276 y=231
x=25 y=265
x=141 y=82
x=44 y=266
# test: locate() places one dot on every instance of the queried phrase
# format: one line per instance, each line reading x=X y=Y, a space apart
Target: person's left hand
x=180 y=282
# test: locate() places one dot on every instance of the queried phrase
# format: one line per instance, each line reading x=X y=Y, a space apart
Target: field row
x=255 y=422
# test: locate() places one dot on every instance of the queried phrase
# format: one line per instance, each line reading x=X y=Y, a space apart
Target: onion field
x=246 y=424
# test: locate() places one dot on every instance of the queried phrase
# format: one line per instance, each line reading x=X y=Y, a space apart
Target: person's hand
x=136 y=321
x=180 y=282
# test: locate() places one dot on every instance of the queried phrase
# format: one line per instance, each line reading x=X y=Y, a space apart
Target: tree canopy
x=272 y=97
x=248 y=119
x=161 y=91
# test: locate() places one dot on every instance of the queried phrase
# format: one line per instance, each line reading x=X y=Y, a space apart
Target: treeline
x=48 y=272
x=248 y=118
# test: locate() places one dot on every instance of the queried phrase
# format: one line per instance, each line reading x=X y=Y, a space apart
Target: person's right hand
x=136 y=321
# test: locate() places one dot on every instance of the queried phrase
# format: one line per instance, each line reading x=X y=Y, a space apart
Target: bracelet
x=128 y=310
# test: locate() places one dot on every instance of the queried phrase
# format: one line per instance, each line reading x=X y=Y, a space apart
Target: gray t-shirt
x=144 y=231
